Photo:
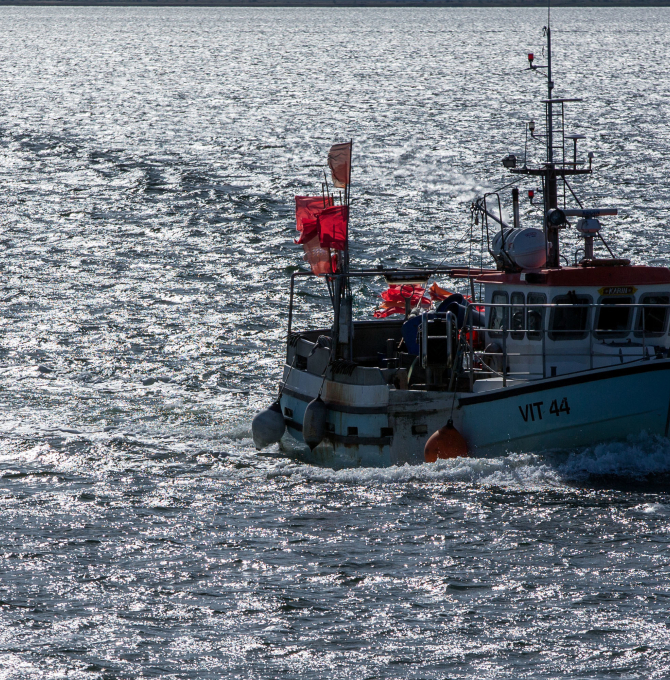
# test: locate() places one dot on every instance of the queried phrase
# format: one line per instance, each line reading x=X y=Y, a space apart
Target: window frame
x=562 y=336
x=505 y=313
x=637 y=327
x=518 y=334
x=602 y=334
x=530 y=309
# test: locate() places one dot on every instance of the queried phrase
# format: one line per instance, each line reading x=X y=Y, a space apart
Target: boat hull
x=392 y=426
x=571 y=411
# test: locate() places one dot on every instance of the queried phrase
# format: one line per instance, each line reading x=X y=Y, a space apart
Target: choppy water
x=148 y=159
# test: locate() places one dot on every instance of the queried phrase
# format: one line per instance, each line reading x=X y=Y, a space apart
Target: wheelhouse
x=555 y=322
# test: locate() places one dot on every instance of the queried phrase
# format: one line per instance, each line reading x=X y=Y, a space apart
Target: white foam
x=652 y=508
x=636 y=458
x=517 y=470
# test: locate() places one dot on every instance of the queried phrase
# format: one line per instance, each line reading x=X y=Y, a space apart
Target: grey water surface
x=148 y=162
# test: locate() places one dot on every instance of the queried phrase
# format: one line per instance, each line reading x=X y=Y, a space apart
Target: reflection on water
x=149 y=157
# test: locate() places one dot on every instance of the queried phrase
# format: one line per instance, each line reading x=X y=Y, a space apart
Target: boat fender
x=476 y=317
x=268 y=426
x=447 y=442
x=314 y=423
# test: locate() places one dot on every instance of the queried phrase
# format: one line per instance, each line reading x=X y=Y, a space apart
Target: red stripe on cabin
x=584 y=276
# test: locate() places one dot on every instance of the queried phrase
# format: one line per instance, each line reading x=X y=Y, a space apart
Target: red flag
x=333 y=227
x=317 y=257
x=309 y=229
x=339 y=160
x=307 y=209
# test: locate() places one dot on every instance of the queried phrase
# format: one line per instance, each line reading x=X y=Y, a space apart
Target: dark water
x=148 y=160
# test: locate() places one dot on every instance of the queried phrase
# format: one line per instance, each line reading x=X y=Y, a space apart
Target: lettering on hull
x=533 y=411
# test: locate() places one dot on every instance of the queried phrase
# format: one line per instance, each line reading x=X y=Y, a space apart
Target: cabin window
x=518 y=316
x=653 y=318
x=498 y=316
x=570 y=321
x=535 y=315
x=614 y=317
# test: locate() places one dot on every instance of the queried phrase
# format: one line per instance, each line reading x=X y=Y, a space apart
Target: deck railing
x=636 y=348
x=545 y=342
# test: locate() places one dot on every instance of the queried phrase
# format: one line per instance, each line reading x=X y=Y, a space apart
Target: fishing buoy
x=314 y=423
x=447 y=442
x=268 y=426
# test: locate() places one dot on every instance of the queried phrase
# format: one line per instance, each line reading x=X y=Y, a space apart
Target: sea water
x=148 y=163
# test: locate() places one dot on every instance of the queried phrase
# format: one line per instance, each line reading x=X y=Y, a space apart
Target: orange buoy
x=447 y=442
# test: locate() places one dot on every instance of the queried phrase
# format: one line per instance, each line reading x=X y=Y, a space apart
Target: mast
x=339 y=159
x=345 y=330
x=551 y=181
x=550 y=88
x=555 y=166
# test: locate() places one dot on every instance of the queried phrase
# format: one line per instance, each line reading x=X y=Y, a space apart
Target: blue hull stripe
x=577 y=379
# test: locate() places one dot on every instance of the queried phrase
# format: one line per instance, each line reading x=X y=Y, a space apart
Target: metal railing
x=419 y=274
x=542 y=341
x=586 y=340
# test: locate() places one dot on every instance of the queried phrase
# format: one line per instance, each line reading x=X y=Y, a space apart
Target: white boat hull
x=379 y=426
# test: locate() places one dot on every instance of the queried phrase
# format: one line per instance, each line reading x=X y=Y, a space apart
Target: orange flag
x=339 y=160
x=318 y=258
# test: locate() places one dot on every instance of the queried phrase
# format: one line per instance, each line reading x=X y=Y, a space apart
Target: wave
x=519 y=470
x=640 y=458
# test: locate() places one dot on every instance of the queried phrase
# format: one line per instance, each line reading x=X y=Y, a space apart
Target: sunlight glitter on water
x=149 y=159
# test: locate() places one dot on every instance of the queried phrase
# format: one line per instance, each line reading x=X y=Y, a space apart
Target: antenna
x=556 y=165
x=550 y=87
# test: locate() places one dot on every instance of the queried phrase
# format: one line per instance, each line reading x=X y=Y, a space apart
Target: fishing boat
x=542 y=350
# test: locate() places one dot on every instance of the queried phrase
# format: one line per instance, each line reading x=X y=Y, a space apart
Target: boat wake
x=518 y=470
x=641 y=459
